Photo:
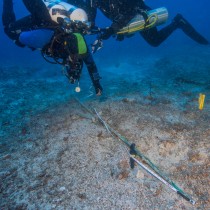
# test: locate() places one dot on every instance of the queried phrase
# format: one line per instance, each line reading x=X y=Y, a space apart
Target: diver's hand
x=98 y=88
x=99 y=92
x=120 y=37
x=107 y=33
x=97 y=45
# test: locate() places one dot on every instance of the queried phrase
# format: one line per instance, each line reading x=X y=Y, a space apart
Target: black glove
x=98 y=87
x=107 y=33
x=120 y=37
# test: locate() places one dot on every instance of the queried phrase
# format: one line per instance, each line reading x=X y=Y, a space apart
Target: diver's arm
x=143 y=6
x=119 y=22
x=127 y=9
x=93 y=72
x=125 y=12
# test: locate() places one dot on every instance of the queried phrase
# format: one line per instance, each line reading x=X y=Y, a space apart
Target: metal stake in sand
x=135 y=151
x=168 y=183
x=132 y=156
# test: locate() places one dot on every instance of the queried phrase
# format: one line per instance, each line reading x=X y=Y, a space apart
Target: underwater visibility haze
x=54 y=154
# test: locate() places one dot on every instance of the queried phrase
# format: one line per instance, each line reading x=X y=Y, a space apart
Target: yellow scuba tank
x=59 y=9
x=153 y=18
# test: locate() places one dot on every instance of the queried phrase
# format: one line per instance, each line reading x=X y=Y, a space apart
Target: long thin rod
x=137 y=152
x=161 y=179
x=169 y=183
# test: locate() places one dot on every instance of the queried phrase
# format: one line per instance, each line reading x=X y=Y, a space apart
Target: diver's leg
x=38 y=11
x=8 y=15
x=9 y=19
x=9 y=22
x=152 y=35
x=155 y=37
x=188 y=29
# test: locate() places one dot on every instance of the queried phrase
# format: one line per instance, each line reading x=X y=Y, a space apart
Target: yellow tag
x=201 y=101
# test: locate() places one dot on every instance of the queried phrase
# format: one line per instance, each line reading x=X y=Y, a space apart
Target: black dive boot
x=188 y=29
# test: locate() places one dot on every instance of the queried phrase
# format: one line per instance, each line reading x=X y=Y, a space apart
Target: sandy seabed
x=55 y=155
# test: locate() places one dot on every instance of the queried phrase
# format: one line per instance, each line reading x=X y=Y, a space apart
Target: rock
x=46 y=125
x=6 y=157
x=128 y=100
x=21 y=206
x=110 y=121
x=65 y=138
x=74 y=117
x=140 y=174
x=198 y=157
x=123 y=164
x=100 y=134
x=82 y=195
x=61 y=189
x=166 y=147
x=41 y=174
x=123 y=175
x=93 y=120
x=23 y=131
x=7 y=173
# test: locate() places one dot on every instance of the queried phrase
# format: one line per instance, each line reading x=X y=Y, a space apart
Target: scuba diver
x=57 y=29
x=124 y=13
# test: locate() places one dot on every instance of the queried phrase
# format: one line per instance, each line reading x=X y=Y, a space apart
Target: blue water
x=29 y=84
x=195 y=11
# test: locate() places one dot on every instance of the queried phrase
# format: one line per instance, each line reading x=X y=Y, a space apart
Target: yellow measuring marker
x=201 y=101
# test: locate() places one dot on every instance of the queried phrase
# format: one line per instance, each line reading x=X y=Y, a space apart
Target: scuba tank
x=146 y=20
x=59 y=9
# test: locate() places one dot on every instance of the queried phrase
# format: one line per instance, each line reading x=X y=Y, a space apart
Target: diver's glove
x=117 y=24
x=97 y=45
x=107 y=33
x=120 y=37
x=98 y=87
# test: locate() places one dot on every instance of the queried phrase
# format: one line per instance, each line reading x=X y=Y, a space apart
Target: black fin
x=189 y=30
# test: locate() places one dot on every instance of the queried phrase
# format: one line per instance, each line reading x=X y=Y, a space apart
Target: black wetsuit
x=40 y=18
x=122 y=11
x=12 y=27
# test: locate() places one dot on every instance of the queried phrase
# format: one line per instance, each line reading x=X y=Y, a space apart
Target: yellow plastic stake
x=201 y=101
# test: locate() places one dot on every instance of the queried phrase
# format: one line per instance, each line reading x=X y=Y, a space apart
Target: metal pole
x=162 y=180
